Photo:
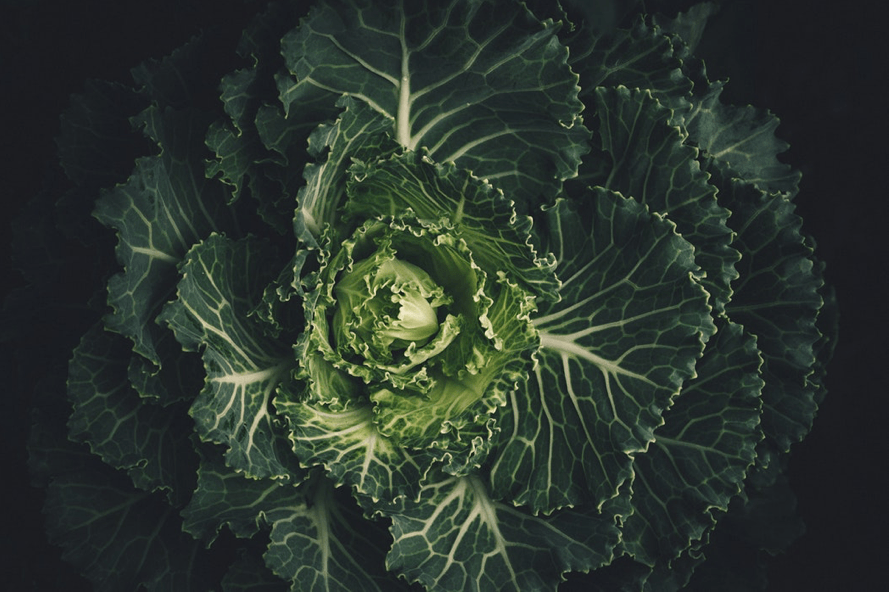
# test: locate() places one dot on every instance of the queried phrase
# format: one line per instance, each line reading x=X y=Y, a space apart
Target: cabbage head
x=463 y=295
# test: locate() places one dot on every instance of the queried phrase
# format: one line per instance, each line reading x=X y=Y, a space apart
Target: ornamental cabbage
x=469 y=295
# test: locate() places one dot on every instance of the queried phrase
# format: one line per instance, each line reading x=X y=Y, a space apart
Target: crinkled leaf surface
x=614 y=351
x=236 y=145
x=359 y=134
x=483 y=84
x=497 y=237
x=640 y=57
x=258 y=150
x=121 y=536
x=285 y=136
x=454 y=420
x=777 y=298
x=165 y=207
x=744 y=137
x=689 y=25
x=319 y=539
x=700 y=457
x=326 y=544
x=457 y=538
x=222 y=281
x=178 y=380
x=628 y=432
x=224 y=497
x=645 y=158
x=352 y=449
x=147 y=440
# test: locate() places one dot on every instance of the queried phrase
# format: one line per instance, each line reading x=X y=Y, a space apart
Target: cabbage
x=474 y=295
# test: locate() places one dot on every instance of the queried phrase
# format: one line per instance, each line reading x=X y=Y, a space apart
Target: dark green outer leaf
x=180 y=379
x=359 y=134
x=259 y=151
x=187 y=78
x=689 y=25
x=645 y=158
x=326 y=544
x=121 y=536
x=222 y=282
x=744 y=137
x=701 y=454
x=777 y=298
x=631 y=324
x=640 y=57
x=165 y=207
x=319 y=538
x=235 y=144
x=481 y=83
x=456 y=538
x=225 y=497
x=827 y=323
x=647 y=57
x=147 y=440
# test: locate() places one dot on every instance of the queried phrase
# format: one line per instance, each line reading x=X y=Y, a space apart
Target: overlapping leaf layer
x=474 y=294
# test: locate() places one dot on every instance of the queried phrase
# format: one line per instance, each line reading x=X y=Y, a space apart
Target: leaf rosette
x=414 y=323
x=413 y=314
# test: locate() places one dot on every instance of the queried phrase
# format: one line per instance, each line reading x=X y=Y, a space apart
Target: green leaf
x=743 y=137
x=437 y=396
x=497 y=237
x=646 y=57
x=352 y=449
x=483 y=84
x=615 y=350
x=121 y=537
x=641 y=57
x=777 y=298
x=180 y=379
x=187 y=77
x=236 y=144
x=165 y=207
x=455 y=537
x=147 y=440
x=258 y=151
x=453 y=420
x=286 y=135
x=319 y=538
x=645 y=158
x=701 y=455
x=326 y=543
x=690 y=25
x=359 y=134
x=434 y=248
x=222 y=282
x=827 y=325
x=225 y=497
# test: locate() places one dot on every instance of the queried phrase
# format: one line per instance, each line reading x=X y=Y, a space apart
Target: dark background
x=819 y=66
